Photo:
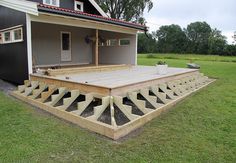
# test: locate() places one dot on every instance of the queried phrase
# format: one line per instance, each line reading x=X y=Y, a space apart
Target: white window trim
x=4 y=39
x=124 y=39
x=109 y=42
x=70 y=47
x=12 y=36
x=1 y=38
x=79 y=3
x=57 y=5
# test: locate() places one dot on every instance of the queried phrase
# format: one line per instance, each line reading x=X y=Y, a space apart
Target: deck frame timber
x=112 y=130
x=107 y=91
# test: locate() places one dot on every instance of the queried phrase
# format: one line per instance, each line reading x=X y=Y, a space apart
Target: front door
x=65 y=46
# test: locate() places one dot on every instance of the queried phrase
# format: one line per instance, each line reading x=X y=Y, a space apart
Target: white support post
x=136 y=55
x=29 y=44
x=96 y=49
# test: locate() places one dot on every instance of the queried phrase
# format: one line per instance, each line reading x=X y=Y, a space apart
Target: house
x=82 y=66
x=51 y=33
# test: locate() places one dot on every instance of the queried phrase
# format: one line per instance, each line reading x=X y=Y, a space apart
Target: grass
x=202 y=128
x=193 y=57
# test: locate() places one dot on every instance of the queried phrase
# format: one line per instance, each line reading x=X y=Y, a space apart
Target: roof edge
x=21 y=5
x=77 y=14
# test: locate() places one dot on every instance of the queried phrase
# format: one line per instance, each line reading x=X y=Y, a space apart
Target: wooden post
x=96 y=49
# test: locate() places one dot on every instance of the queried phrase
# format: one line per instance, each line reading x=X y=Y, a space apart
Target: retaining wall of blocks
x=111 y=116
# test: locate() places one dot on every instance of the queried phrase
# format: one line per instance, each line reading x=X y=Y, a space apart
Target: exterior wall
x=46 y=44
x=118 y=54
x=13 y=56
x=69 y=4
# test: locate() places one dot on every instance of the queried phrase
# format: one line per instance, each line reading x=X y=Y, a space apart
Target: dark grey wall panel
x=69 y=4
x=13 y=56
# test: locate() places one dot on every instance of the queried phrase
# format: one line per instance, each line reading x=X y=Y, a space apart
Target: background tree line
x=197 y=38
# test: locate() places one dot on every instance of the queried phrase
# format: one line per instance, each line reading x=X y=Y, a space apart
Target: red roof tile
x=90 y=15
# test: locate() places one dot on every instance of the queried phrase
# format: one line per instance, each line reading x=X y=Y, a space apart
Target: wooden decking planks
x=86 y=69
x=115 y=82
x=119 y=78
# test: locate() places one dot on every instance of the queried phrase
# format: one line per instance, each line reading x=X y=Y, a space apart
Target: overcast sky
x=220 y=14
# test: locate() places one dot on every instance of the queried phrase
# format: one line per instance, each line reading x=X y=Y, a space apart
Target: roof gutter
x=64 y=13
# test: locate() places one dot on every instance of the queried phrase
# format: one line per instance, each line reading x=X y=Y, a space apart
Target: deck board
x=119 y=78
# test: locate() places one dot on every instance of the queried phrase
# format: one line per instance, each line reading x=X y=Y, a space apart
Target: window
x=52 y=2
x=17 y=34
x=124 y=42
x=0 y=38
x=79 y=6
x=7 y=37
x=11 y=35
x=112 y=42
x=65 y=41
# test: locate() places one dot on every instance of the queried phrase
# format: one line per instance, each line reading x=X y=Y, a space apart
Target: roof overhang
x=21 y=5
x=78 y=22
x=75 y=14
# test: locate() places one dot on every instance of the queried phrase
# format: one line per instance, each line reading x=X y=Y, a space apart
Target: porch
x=62 y=46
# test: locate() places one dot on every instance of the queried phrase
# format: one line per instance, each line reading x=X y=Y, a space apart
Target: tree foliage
x=198 y=34
x=197 y=38
x=171 y=39
x=216 y=42
x=146 y=43
x=129 y=10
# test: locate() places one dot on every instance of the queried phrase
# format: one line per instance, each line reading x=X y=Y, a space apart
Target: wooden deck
x=101 y=109
x=111 y=80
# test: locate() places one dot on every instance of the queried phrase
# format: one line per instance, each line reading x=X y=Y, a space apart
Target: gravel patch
x=7 y=87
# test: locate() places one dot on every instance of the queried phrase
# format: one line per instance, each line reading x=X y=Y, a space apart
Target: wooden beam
x=83 y=23
x=96 y=49
x=91 y=123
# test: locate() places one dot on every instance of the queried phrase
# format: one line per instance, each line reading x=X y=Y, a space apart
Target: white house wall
x=118 y=54
x=46 y=44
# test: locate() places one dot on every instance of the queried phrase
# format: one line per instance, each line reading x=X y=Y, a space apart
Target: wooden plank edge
x=133 y=125
x=97 y=127
x=102 y=128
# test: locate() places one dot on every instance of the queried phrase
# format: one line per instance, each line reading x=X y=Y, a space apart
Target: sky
x=220 y=14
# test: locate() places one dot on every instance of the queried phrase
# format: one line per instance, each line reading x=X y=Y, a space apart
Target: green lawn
x=189 y=57
x=202 y=128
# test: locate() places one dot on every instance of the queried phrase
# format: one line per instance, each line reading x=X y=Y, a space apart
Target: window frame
x=51 y=4
x=1 y=38
x=109 y=42
x=81 y=4
x=125 y=40
x=4 y=37
x=12 y=36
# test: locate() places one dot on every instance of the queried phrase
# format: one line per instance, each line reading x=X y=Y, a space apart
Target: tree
x=171 y=39
x=198 y=34
x=229 y=50
x=129 y=10
x=146 y=44
x=234 y=37
x=216 y=42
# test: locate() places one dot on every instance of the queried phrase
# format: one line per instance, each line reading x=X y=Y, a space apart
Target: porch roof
x=83 y=15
